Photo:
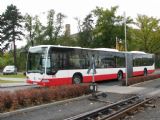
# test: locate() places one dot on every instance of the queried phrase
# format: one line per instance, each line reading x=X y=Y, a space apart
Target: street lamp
x=125 y=33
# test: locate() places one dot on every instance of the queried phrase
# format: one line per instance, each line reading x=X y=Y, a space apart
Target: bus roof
x=138 y=52
x=99 y=49
x=135 y=52
x=54 y=46
x=106 y=49
x=60 y=46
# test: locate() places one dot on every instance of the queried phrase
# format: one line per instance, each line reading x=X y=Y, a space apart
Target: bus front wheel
x=77 y=79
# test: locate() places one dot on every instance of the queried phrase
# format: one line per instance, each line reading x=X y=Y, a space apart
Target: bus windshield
x=36 y=60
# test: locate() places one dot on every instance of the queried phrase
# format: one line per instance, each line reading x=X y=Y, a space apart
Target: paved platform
x=121 y=89
x=149 y=88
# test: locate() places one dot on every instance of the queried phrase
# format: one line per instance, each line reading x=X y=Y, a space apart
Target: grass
x=13 y=76
x=10 y=81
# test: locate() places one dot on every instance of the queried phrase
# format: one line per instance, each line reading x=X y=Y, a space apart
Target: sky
x=80 y=8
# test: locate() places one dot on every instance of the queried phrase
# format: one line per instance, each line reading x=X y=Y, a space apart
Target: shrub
x=5 y=101
x=29 y=97
x=23 y=97
x=139 y=79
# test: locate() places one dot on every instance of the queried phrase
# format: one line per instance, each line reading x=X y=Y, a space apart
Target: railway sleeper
x=98 y=100
x=127 y=117
x=150 y=105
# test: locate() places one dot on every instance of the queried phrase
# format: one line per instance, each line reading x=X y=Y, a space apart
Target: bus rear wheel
x=77 y=79
x=119 y=76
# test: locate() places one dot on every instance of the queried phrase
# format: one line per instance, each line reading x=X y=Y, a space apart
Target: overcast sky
x=80 y=8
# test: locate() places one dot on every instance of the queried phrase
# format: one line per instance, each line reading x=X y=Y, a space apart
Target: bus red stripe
x=66 y=81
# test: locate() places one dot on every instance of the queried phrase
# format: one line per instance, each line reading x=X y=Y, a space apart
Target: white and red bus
x=51 y=65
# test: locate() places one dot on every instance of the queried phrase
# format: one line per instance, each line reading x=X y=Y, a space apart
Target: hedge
x=30 y=97
x=139 y=79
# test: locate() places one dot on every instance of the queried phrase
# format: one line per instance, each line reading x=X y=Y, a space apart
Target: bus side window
x=120 y=62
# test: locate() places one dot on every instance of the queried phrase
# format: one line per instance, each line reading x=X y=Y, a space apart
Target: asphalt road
x=13 y=79
x=15 y=88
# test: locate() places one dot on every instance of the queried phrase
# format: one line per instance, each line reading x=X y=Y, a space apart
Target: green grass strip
x=13 y=76
x=10 y=81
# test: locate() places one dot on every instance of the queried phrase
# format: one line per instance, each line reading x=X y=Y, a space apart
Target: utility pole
x=93 y=86
x=125 y=34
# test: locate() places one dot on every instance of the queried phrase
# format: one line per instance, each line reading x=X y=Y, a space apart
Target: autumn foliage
x=139 y=79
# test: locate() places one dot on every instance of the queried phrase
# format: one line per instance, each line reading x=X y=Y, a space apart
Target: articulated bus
x=52 y=65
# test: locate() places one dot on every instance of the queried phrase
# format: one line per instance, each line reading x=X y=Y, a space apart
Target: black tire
x=145 y=72
x=77 y=79
x=119 y=76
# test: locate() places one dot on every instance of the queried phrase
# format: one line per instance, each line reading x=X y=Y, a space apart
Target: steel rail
x=123 y=112
x=95 y=113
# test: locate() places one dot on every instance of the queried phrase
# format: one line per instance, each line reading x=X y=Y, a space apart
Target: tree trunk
x=14 y=47
x=30 y=34
x=14 y=53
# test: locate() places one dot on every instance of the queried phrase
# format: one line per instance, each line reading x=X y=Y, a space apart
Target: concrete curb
x=7 y=114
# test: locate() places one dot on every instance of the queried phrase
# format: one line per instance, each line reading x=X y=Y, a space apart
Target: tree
x=54 y=27
x=50 y=26
x=58 y=25
x=12 y=28
x=40 y=34
x=85 y=35
x=6 y=59
x=147 y=35
x=1 y=28
x=104 y=34
x=29 y=28
x=38 y=31
x=108 y=27
x=3 y=43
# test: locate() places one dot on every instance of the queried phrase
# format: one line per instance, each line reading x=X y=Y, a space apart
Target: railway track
x=113 y=111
